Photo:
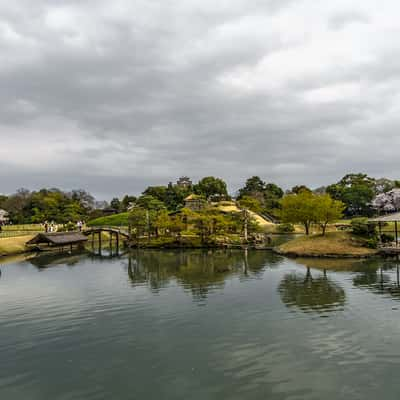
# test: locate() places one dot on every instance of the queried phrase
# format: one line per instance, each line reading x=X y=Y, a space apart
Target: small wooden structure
x=395 y=217
x=47 y=241
x=195 y=202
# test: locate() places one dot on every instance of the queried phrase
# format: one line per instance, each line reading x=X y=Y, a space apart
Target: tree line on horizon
x=360 y=194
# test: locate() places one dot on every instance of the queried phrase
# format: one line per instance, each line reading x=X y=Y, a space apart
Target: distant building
x=195 y=202
x=4 y=217
x=184 y=182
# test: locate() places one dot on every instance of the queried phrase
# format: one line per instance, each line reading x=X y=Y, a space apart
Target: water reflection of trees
x=198 y=271
x=377 y=275
x=380 y=277
x=310 y=293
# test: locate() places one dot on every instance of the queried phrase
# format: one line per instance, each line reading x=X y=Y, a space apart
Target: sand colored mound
x=230 y=206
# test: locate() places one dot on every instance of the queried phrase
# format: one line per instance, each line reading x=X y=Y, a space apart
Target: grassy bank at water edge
x=13 y=245
x=333 y=244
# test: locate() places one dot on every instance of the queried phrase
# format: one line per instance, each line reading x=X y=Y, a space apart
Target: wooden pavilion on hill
x=47 y=241
x=394 y=218
x=195 y=202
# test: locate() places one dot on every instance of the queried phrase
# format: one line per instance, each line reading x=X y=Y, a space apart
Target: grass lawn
x=332 y=244
x=14 y=245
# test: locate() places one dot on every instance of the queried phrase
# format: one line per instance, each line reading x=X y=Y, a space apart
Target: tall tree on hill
x=211 y=187
x=300 y=188
x=127 y=201
x=115 y=204
x=254 y=187
x=158 y=192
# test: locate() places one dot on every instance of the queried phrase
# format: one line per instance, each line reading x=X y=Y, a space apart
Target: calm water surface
x=198 y=325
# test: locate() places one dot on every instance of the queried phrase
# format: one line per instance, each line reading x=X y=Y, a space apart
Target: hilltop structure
x=184 y=182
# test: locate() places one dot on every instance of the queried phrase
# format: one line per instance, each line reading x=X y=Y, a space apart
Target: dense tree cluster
x=48 y=204
x=361 y=195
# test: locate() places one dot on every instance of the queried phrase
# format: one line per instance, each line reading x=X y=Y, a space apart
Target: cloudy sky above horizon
x=115 y=96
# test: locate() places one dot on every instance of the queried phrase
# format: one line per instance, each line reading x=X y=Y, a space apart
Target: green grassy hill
x=111 y=220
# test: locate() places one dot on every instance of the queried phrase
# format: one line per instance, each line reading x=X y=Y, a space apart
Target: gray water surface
x=198 y=325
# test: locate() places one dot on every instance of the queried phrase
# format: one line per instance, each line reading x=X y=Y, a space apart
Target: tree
x=299 y=208
x=250 y=203
x=356 y=191
x=149 y=202
x=300 y=188
x=175 y=195
x=387 y=202
x=115 y=204
x=138 y=221
x=254 y=187
x=307 y=208
x=272 y=195
x=127 y=201
x=211 y=187
x=3 y=200
x=327 y=210
x=158 y=192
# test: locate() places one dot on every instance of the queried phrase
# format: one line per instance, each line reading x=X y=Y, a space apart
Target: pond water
x=198 y=325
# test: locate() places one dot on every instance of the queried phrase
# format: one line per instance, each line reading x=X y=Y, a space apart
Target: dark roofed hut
x=395 y=217
x=57 y=240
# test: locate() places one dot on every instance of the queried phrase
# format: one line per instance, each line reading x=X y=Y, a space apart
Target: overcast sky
x=112 y=96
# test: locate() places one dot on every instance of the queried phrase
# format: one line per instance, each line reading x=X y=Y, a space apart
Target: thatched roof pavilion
x=395 y=217
x=58 y=239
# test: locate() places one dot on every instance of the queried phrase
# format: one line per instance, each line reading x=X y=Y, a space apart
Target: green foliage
x=139 y=221
x=211 y=187
x=48 y=204
x=356 y=191
x=387 y=238
x=3 y=200
x=174 y=196
x=157 y=192
x=149 y=202
x=250 y=203
x=300 y=188
x=267 y=194
x=121 y=219
x=126 y=202
x=371 y=243
x=307 y=208
x=363 y=227
x=115 y=204
x=285 y=228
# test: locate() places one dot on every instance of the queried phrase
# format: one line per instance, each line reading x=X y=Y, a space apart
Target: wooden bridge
x=113 y=231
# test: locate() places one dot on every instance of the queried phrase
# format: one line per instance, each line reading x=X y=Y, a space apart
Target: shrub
x=387 y=238
x=371 y=243
x=363 y=227
x=285 y=228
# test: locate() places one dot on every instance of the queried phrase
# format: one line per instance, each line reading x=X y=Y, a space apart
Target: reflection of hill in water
x=310 y=293
x=199 y=271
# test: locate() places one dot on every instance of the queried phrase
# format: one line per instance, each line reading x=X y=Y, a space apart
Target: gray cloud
x=112 y=97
